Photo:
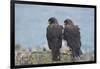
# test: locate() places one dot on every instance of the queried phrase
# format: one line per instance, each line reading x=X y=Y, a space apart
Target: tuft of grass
x=42 y=58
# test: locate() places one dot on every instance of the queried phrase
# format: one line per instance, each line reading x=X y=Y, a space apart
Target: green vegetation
x=40 y=58
x=23 y=56
x=17 y=47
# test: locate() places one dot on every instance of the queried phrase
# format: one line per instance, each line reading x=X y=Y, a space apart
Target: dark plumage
x=54 y=37
x=72 y=36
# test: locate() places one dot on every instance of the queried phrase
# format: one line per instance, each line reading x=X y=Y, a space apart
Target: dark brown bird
x=72 y=36
x=54 y=38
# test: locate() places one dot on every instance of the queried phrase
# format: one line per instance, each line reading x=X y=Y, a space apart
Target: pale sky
x=31 y=22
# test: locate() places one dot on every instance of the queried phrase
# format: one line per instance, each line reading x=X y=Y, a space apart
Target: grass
x=41 y=58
